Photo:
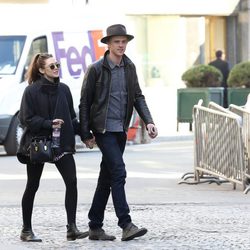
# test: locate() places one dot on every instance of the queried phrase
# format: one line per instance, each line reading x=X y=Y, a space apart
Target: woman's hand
x=90 y=143
x=57 y=123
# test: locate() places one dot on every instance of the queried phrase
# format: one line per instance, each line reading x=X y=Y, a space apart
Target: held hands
x=57 y=123
x=90 y=143
x=152 y=130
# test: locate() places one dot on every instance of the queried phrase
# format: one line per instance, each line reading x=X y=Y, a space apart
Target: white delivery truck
x=73 y=40
x=74 y=50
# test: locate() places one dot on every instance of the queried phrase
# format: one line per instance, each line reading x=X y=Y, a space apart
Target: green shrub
x=239 y=75
x=202 y=76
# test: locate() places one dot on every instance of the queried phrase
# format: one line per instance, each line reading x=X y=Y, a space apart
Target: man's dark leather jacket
x=95 y=97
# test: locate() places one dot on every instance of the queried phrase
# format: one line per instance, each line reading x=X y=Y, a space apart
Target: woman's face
x=51 y=69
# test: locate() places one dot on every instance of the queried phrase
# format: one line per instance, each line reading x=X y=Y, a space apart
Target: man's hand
x=90 y=142
x=152 y=130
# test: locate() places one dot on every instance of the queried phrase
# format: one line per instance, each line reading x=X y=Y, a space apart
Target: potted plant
x=202 y=82
x=239 y=84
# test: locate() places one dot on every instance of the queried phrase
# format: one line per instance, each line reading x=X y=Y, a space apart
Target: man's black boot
x=73 y=233
x=28 y=235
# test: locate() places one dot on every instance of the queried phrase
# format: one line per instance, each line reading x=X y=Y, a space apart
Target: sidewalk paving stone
x=184 y=226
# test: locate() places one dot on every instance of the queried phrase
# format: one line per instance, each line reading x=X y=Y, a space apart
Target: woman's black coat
x=42 y=102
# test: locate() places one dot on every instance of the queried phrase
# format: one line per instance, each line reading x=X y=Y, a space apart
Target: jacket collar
x=49 y=87
x=125 y=59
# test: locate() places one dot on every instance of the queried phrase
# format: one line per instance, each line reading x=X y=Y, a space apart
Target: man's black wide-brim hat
x=116 y=30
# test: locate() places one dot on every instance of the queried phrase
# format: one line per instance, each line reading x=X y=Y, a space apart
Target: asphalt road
x=151 y=169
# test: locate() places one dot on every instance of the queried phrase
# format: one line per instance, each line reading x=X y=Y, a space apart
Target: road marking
x=56 y=175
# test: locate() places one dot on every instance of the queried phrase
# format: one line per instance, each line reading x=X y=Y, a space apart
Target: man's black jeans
x=111 y=178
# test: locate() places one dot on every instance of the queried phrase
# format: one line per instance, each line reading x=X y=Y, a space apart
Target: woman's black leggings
x=67 y=168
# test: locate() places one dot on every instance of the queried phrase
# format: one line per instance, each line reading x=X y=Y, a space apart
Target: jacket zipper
x=106 y=111
x=128 y=92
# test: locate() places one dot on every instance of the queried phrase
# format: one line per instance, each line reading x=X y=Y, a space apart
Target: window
x=39 y=45
x=215 y=36
x=11 y=48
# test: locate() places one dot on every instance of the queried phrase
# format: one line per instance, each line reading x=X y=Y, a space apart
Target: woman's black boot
x=28 y=235
x=73 y=233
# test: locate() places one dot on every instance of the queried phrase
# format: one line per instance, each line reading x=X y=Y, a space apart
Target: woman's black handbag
x=41 y=150
x=37 y=149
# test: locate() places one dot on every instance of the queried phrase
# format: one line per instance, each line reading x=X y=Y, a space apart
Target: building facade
x=170 y=37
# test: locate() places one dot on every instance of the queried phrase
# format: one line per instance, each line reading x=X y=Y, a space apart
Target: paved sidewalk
x=171 y=226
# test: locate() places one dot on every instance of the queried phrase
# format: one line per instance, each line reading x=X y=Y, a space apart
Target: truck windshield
x=10 y=52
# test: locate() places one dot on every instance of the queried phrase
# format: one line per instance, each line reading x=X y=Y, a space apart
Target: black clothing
x=66 y=167
x=95 y=97
x=94 y=110
x=42 y=102
x=37 y=111
x=223 y=66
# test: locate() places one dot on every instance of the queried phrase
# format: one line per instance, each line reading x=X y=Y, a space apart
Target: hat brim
x=106 y=38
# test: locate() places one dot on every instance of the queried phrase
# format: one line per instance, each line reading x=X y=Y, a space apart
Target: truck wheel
x=13 y=137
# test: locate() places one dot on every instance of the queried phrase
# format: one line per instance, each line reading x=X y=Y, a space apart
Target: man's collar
x=112 y=65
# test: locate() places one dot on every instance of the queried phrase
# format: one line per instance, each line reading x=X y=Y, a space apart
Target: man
x=109 y=93
x=223 y=66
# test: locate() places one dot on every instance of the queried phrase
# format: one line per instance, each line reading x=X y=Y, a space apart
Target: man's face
x=117 y=45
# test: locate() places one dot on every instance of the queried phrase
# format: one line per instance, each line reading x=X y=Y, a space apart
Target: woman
x=46 y=104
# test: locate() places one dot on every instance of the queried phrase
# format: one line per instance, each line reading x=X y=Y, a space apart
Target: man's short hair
x=218 y=53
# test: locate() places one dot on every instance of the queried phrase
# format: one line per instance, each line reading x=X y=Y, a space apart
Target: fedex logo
x=77 y=50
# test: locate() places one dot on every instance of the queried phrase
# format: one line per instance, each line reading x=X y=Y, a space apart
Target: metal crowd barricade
x=245 y=116
x=215 y=106
x=219 y=147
